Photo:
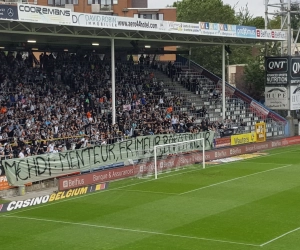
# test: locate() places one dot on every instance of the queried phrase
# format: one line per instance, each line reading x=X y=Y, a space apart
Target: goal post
x=183 y=147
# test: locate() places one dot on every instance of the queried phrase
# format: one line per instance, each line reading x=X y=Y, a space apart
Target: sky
x=256 y=7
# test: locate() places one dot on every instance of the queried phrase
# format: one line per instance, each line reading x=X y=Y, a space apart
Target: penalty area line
x=138 y=183
x=280 y=236
x=132 y=230
x=234 y=179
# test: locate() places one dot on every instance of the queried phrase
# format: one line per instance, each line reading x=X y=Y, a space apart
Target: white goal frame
x=177 y=143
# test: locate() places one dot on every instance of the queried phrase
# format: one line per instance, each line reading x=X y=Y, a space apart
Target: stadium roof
x=62 y=27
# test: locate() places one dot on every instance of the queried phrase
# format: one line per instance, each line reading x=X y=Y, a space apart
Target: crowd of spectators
x=63 y=101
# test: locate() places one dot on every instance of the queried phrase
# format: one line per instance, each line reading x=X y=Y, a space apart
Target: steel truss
x=75 y=32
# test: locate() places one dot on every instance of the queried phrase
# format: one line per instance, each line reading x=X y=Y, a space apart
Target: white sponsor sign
x=116 y=22
x=44 y=14
x=295 y=97
x=64 y=16
x=277 y=98
x=271 y=34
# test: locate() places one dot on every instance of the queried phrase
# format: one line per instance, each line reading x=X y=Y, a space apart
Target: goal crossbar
x=177 y=143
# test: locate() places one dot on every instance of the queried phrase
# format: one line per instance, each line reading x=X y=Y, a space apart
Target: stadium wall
x=130 y=171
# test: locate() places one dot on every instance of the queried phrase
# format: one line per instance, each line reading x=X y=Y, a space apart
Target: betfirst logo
x=220 y=154
x=275 y=34
x=235 y=151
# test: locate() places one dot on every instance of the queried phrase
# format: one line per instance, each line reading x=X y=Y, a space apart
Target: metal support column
x=223 y=83
x=289 y=39
x=190 y=53
x=113 y=81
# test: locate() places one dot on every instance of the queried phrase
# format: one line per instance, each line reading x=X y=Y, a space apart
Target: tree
x=254 y=79
x=215 y=11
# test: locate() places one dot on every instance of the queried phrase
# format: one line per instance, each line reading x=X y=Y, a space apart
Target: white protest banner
x=41 y=167
x=44 y=14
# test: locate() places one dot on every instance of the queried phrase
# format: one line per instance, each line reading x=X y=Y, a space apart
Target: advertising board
x=243 y=139
x=222 y=142
x=295 y=97
x=261 y=133
x=276 y=70
x=9 y=12
x=271 y=34
x=295 y=70
x=172 y=162
x=245 y=31
x=95 y=177
x=3 y=180
x=14 y=205
x=276 y=98
x=44 y=14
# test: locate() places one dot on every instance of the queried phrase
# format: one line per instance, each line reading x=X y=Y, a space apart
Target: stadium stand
x=63 y=101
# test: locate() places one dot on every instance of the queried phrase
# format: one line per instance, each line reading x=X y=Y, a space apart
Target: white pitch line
x=234 y=179
x=279 y=237
x=144 y=191
x=103 y=191
x=134 y=230
x=134 y=184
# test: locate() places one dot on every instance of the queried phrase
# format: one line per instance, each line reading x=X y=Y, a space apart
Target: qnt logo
x=277 y=65
x=295 y=67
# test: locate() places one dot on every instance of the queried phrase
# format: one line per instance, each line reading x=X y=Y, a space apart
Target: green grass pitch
x=245 y=205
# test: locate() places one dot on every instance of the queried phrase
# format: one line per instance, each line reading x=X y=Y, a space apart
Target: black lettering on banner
x=180 y=138
x=112 y=155
x=207 y=141
x=103 y=154
x=138 y=143
x=43 y=166
x=80 y=157
x=72 y=160
x=40 y=165
x=19 y=170
x=172 y=139
x=49 y=166
x=7 y=166
x=165 y=139
x=146 y=146
x=29 y=167
x=128 y=149
x=63 y=158
x=88 y=153
x=96 y=148
x=156 y=140
x=121 y=147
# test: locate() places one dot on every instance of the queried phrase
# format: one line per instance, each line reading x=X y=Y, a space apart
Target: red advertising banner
x=95 y=177
x=222 y=142
x=170 y=162
x=3 y=183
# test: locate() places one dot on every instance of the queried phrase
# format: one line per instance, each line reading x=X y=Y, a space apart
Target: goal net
x=170 y=157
